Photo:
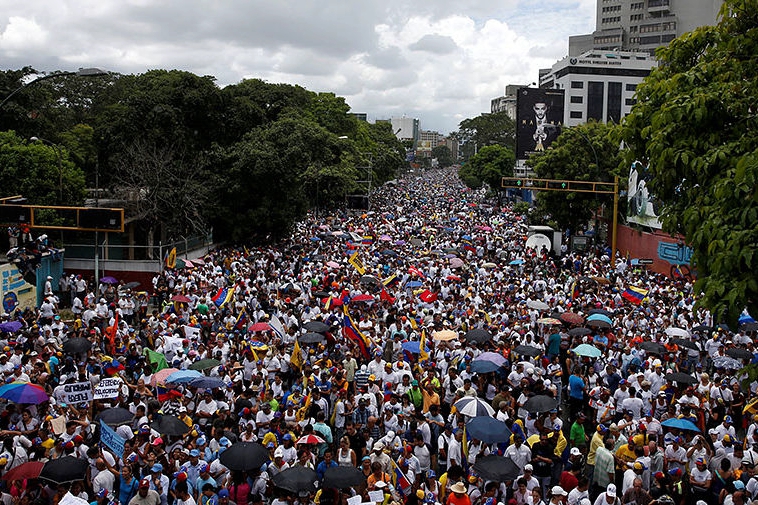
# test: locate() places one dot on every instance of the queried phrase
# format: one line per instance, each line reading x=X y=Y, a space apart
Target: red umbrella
x=309 y=439
x=259 y=327
x=28 y=470
x=571 y=318
x=180 y=299
x=362 y=298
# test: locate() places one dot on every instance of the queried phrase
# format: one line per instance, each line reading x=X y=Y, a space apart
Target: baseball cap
x=558 y=491
x=528 y=467
x=728 y=419
x=157 y=468
x=380 y=485
x=700 y=461
x=611 y=490
x=675 y=472
x=194 y=453
x=144 y=484
x=739 y=485
x=224 y=493
x=575 y=451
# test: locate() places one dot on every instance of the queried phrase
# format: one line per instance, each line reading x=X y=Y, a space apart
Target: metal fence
x=111 y=247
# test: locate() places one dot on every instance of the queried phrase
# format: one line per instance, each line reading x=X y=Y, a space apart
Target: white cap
x=575 y=451
x=558 y=491
x=279 y=452
x=611 y=490
x=528 y=467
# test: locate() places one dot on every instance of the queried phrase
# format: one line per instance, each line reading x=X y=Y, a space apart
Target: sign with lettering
x=111 y=439
x=78 y=392
x=107 y=388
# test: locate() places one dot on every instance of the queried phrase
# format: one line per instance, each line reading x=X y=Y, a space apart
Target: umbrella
x=478 y=335
x=115 y=416
x=316 y=326
x=207 y=382
x=491 y=357
x=204 y=364
x=598 y=323
x=537 y=305
x=517 y=262
x=702 y=327
x=320 y=294
x=260 y=326
x=540 y=403
x=473 y=407
x=296 y=479
x=362 y=298
x=11 y=326
x=244 y=456
x=606 y=313
x=343 y=477
x=332 y=264
x=689 y=344
x=456 y=263
x=483 y=366
x=180 y=299
x=28 y=470
x=527 y=350
x=23 y=392
x=571 y=318
x=653 y=347
x=718 y=362
x=444 y=335
x=599 y=317
x=170 y=425
x=548 y=321
x=739 y=353
x=370 y=279
x=311 y=338
x=413 y=347
x=182 y=376
x=681 y=378
x=587 y=350
x=752 y=326
x=310 y=440
x=600 y=280
x=413 y=284
x=497 y=468
x=65 y=469
x=488 y=429
x=489 y=264
x=109 y=280
x=680 y=424
x=77 y=345
x=579 y=332
x=160 y=376
x=677 y=332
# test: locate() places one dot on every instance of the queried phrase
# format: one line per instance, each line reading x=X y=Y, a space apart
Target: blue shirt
x=576 y=387
x=126 y=490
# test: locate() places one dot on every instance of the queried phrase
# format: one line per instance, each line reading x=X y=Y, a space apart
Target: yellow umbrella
x=445 y=335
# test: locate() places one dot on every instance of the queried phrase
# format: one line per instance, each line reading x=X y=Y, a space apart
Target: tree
x=489 y=166
x=443 y=155
x=484 y=130
x=695 y=122
x=587 y=152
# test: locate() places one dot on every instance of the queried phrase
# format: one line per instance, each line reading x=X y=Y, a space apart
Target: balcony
x=658 y=6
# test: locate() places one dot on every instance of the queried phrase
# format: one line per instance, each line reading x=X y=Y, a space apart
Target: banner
x=539 y=118
x=357 y=263
x=77 y=392
x=107 y=388
x=111 y=439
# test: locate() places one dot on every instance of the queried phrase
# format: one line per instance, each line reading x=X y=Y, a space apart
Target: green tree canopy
x=695 y=122
x=489 y=166
x=443 y=155
x=485 y=130
x=587 y=152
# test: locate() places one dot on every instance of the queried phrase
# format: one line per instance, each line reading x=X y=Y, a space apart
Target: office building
x=405 y=128
x=507 y=102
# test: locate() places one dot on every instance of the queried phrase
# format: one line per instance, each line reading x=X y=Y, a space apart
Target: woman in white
x=345 y=455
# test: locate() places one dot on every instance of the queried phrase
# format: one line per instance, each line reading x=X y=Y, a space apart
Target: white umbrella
x=537 y=305
x=472 y=407
x=677 y=332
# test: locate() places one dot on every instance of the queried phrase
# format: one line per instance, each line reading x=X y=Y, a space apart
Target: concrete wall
x=665 y=251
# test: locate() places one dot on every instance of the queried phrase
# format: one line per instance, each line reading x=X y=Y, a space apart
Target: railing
x=118 y=251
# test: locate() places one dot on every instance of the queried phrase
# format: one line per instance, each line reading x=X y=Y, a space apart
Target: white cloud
x=441 y=61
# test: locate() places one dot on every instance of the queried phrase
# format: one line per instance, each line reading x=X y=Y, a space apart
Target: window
x=614 y=102
x=595 y=95
x=577 y=84
x=631 y=87
x=577 y=99
x=576 y=114
x=630 y=101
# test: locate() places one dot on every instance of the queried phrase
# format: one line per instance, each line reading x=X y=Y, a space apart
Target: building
x=427 y=141
x=406 y=128
x=643 y=25
x=507 y=102
x=360 y=116
x=599 y=85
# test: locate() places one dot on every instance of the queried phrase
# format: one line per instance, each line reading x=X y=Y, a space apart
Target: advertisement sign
x=643 y=207
x=107 y=388
x=539 y=118
x=16 y=292
x=78 y=392
x=111 y=439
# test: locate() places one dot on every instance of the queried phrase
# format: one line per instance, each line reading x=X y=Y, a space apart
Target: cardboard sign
x=78 y=392
x=107 y=388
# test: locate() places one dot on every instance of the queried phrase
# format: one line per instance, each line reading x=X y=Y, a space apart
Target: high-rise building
x=507 y=102
x=405 y=128
x=643 y=25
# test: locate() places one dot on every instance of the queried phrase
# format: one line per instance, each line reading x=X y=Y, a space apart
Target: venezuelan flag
x=634 y=294
x=351 y=332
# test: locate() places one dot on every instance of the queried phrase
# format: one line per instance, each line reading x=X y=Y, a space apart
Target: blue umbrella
x=412 y=347
x=207 y=382
x=599 y=317
x=587 y=350
x=183 y=376
x=681 y=424
x=517 y=262
x=10 y=326
x=315 y=239
x=473 y=407
x=483 y=367
x=488 y=429
x=413 y=284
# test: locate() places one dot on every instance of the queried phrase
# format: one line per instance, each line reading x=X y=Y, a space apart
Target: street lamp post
x=60 y=164
x=82 y=72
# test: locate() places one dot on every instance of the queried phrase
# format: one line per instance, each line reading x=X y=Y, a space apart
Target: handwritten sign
x=78 y=392
x=107 y=388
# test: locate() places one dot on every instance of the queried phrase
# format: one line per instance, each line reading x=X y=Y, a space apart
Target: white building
x=405 y=128
x=599 y=85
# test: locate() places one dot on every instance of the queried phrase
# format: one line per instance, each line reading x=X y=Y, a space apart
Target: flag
x=165 y=394
x=367 y=240
x=634 y=294
x=400 y=481
x=391 y=280
x=413 y=323
x=468 y=246
x=351 y=332
x=277 y=326
x=464 y=445
x=156 y=359
x=110 y=334
x=416 y=271
x=384 y=296
x=575 y=291
x=241 y=323
x=220 y=297
x=171 y=258
x=428 y=296
x=422 y=354
x=357 y=263
x=296 y=360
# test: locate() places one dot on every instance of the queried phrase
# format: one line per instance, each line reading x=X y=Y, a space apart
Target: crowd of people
x=374 y=343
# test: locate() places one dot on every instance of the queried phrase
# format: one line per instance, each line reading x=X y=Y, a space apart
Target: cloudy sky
x=438 y=60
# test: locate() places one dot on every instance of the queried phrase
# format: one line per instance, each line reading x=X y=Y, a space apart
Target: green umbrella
x=204 y=364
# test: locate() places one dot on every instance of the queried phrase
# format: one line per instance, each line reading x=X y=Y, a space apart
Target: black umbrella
x=311 y=338
x=653 y=347
x=316 y=326
x=498 y=468
x=579 y=332
x=488 y=429
x=749 y=326
x=681 y=378
x=77 y=345
x=478 y=335
x=65 y=469
x=319 y=294
x=683 y=342
x=296 y=479
x=598 y=323
x=244 y=456
x=204 y=364
x=170 y=425
x=527 y=350
x=607 y=313
x=739 y=353
x=370 y=279
x=702 y=327
x=343 y=477
x=540 y=403
x=115 y=416
x=132 y=285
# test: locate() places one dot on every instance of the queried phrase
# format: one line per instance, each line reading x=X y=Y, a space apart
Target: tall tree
x=443 y=155
x=695 y=122
x=485 y=130
x=489 y=166
x=587 y=152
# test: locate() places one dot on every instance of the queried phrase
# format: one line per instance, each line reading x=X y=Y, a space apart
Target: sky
x=441 y=61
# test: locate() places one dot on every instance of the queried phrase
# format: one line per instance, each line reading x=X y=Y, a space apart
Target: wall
x=667 y=252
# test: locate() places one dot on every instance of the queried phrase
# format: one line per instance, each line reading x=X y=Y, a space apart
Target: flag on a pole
x=296 y=360
x=400 y=481
x=241 y=323
x=357 y=263
x=220 y=297
x=575 y=290
x=277 y=326
x=156 y=360
x=171 y=258
x=351 y=332
x=422 y=354
x=384 y=296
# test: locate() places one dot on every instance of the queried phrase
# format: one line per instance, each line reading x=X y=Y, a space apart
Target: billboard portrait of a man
x=539 y=119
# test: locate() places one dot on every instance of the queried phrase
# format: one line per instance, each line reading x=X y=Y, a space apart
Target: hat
x=638 y=466
x=675 y=472
x=380 y=485
x=558 y=491
x=700 y=461
x=739 y=485
x=575 y=451
x=157 y=468
x=458 y=487
x=180 y=476
x=379 y=446
x=728 y=419
x=279 y=452
x=144 y=484
x=727 y=439
x=204 y=468
x=157 y=441
x=182 y=409
x=528 y=467
x=224 y=493
x=611 y=490
x=194 y=453
x=224 y=442
x=430 y=474
x=102 y=493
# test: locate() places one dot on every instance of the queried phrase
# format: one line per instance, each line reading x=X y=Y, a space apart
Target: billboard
x=539 y=117
x=643 y=207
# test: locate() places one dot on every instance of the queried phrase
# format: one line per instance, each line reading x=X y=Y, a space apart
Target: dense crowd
x=418 y=353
